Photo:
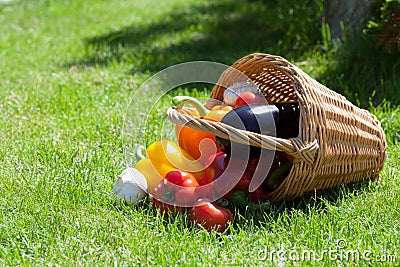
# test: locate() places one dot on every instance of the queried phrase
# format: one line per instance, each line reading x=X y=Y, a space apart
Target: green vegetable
x=240 y=198
x=179 y=101
x=278 y=173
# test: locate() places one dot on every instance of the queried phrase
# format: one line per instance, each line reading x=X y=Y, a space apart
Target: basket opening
x=277 y=86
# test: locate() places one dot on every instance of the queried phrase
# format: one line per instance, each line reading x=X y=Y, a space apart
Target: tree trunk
x=353 y=14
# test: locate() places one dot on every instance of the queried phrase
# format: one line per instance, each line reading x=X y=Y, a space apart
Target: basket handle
x=295 y=147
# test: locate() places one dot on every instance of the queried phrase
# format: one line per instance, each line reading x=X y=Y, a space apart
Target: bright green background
x=67 y=72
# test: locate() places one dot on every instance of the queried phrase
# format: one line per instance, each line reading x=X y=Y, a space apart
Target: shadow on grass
x=217 y=31
x=227 y=30
x=311 y=203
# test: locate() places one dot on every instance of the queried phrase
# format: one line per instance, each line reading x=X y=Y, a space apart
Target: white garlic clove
x=130 y=185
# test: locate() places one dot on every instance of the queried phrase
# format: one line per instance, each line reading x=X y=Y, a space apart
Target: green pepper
x=215 y=114
x=180 y=101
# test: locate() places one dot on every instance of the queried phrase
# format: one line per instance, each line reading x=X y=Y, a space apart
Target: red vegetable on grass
x=211 y=216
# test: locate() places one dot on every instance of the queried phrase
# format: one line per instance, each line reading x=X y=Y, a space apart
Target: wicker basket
x=337 y=143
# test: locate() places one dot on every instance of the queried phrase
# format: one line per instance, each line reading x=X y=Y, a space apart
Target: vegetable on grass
x=131 y=186
x=165 y=156
x=153 y=176
x=176 y=191
x=169 y=153
x=162 y=196
x=240 y=198
x=211 y=216
x=181 y=178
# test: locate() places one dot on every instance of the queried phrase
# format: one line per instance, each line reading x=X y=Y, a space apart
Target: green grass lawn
x=68 y=70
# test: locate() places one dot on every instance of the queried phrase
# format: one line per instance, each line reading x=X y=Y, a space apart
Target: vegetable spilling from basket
x=183 y=177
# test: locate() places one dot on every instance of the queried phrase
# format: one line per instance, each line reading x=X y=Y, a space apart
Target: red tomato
x=186 y=196
x=164 y=207
x=162 y=194
x=211 y=216
x=180 y=188
x=174 y=177
x=181 y=178
x=190 y=182
x=249 y=98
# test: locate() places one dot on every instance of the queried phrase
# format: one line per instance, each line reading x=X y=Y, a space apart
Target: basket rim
x=292 y=146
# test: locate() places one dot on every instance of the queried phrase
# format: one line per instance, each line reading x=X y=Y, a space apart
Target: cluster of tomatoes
x=202 y=211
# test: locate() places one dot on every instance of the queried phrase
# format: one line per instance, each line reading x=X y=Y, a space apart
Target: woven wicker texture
x=337 y=143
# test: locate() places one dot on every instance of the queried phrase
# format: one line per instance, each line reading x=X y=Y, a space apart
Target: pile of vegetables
x=193 y=176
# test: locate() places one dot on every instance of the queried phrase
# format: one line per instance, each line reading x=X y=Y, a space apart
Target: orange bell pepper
x=200 y=145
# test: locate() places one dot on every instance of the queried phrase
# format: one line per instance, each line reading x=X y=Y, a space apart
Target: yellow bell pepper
x=164 y=153
x=217 y=113
x=153 y=176
x=165 y=156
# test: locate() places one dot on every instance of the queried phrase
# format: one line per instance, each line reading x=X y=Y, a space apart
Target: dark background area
x=354 y=65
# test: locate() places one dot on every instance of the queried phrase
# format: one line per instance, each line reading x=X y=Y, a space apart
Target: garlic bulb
x=233 y=91
x=130 y=185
